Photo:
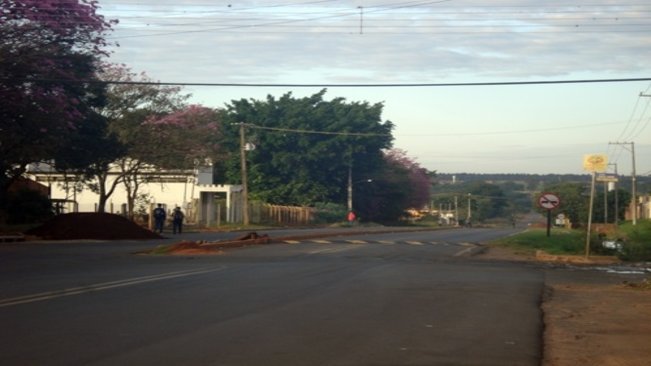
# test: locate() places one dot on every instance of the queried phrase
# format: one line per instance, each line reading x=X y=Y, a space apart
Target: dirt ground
x=592 y=322
x=90 y=225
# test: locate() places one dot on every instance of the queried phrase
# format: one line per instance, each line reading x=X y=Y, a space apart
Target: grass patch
x=637 y=241
x=560 y=241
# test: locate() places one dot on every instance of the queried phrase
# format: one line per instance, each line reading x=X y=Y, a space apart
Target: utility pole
x=633 y=177
x=616 y=196
x=456 y=211
x=587 y=238
x=350 y=188
x=468 y=222
x=605 y=202
x=245 y=188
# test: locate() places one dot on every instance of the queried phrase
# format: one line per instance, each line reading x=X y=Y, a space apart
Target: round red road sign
x=549 y=201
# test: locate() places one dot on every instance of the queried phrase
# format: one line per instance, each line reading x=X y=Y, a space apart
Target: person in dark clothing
x=159 y=218
x=177 y=220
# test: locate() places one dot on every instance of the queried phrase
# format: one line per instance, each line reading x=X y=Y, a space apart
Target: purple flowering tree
x=48 y=49
x=399 y=185
x=155 y=129
x=418 y=180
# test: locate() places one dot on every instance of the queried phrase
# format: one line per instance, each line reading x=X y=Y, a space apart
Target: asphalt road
x=408 y=298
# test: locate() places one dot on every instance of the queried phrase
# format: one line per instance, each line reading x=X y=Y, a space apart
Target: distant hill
x=534 y=182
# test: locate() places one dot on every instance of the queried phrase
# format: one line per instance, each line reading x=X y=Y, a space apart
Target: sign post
x=549 y=201
x=595 y=163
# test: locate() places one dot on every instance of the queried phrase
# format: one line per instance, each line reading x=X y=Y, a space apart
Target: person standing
x=159 y=218
x=177 y=220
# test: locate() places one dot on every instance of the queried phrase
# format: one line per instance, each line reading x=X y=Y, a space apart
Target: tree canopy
x=151 y=128
x=400 y=183
x=575 y=202
x=47 y=49
x=306 y=146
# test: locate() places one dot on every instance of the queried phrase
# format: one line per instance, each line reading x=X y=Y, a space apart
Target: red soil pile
x=188 y=247
x=91 y=225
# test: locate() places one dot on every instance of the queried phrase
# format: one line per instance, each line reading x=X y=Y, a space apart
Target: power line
x=618 y=150
x=277 y=129
x=291 y=19
x=310 y=16
x=639 y=127
x=325 y=85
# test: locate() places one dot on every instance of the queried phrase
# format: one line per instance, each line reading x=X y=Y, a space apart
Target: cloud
x=319 y=42
x=249 y=42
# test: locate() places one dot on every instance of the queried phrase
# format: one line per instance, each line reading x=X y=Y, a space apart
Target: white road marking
x=462 y=252
x=291 y=241
x=414 y=242
x=332 y=250
x=356 y=241
x=321 y=241
x=102 y=286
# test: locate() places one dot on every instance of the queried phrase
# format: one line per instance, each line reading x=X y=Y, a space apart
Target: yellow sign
x=595 y=163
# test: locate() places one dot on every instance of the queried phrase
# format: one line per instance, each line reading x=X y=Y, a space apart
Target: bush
x=329 y=213
x=636 y=252
x=28 y=207
x=637 y=242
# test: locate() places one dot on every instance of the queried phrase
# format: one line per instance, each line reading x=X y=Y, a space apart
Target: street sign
x=595 y=162
x=607 y=178
x=548 y=201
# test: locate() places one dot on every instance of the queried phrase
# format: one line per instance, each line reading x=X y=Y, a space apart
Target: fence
x=262 y=213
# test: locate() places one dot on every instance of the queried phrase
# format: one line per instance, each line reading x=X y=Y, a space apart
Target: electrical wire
x=327 y=85
x=615 y=150
x=277 y=129
x=296 y=20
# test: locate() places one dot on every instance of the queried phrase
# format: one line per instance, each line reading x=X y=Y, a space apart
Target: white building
x=192 y=190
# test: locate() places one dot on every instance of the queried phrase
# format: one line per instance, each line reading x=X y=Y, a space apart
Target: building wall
x=170 y=194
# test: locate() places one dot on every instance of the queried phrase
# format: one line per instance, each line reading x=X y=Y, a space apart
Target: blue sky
x=479 y=129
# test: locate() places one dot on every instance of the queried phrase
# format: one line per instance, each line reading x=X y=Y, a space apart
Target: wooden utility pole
x=616 y=196
x=245 y=188
x=587 y=239
x=633 y=177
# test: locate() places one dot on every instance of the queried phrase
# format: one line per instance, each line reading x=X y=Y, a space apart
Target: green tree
x=132 y=101
x=90 y=154
x=487 y=201
x=623 y=200
x=305 y=147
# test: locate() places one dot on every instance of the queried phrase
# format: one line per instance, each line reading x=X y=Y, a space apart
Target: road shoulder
x=591 y=317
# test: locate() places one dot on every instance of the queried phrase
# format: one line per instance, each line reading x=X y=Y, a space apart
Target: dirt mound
x=91 y=225
x=188 y=247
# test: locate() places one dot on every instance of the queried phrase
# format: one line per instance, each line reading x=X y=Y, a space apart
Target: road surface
x=408 y=298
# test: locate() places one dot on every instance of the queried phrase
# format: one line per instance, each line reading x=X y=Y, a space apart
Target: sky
x=386 y=47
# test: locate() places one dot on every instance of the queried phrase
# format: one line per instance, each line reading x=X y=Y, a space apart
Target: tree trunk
x=101 y=185
x=103 y=191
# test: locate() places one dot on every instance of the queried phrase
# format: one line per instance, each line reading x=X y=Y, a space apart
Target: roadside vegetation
x=635 y=242
x=560 y=241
